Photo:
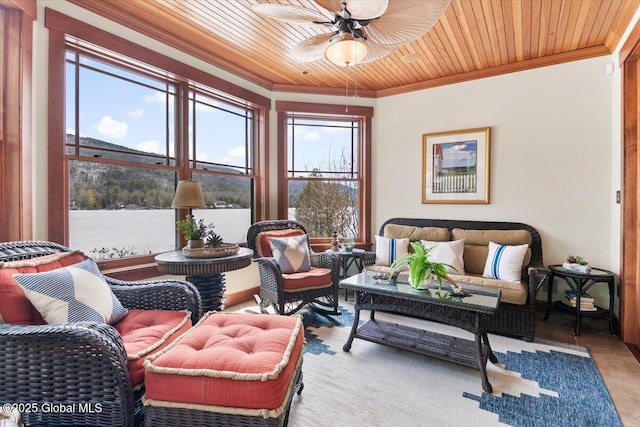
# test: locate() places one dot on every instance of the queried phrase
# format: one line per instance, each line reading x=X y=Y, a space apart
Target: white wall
x=551 y=154
x=553 y=160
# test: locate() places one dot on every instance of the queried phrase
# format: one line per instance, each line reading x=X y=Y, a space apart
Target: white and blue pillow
x=505 y=262
x=291 y=253
x=75 y=293
x=388 y=250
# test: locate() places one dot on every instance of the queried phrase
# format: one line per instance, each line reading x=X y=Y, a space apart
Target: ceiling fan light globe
x=346 y=51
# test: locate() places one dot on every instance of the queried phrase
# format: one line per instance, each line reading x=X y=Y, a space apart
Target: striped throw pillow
x=505 y=262
x=388 y=250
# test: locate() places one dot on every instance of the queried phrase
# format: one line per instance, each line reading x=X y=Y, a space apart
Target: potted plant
x=421 y=268
x=194 y=231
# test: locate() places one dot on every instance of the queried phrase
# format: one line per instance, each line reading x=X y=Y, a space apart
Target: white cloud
x=160 y=99
x=202 y=156
x=233 y=154
x=151 y=147
x=454 y=157
x=111 y=128
x=155 y=98
x=136 y=113
x=306 y=134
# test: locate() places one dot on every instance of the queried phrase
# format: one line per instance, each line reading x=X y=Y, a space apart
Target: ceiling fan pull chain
x=355 y=78
x=346 y=89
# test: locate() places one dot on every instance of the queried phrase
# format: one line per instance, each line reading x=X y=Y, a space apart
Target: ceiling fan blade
x=359 y=9
x=377 y=52
x=405 y=21
x=289 y=13
x=312 y=48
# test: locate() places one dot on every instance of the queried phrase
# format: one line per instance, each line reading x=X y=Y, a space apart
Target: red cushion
x=314 y=278
x=229 y=360
x=262 y=243
x=15 y=307
x=144 y=332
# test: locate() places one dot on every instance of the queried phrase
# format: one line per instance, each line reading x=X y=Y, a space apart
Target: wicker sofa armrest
x=537 y=276
x=368 y=258
x=158 y=295
x=67 y=364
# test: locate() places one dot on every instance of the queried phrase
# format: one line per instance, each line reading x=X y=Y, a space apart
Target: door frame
x=629 y=60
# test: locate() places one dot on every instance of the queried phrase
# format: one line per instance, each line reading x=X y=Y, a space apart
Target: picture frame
x=455 y=166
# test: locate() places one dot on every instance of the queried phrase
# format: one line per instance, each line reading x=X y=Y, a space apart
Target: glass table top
x=486 y=298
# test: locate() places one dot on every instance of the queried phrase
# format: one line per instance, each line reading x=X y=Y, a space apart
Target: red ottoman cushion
x=229 y=363
x=147 y=331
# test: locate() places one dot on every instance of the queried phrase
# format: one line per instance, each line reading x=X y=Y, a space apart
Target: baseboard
x=634 y=350
x=240 y=297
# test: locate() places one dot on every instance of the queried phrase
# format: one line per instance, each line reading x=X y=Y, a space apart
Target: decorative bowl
x=225 y=249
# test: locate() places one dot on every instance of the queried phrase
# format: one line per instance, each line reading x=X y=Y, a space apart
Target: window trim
x=15 y=125
x=364 y=114
x=60 y=26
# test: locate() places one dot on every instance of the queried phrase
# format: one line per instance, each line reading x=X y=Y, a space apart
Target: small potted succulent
x=576 y=263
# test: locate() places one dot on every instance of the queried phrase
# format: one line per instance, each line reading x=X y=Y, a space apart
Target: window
x=124 y=153
x=221 y=141
x=326 y=181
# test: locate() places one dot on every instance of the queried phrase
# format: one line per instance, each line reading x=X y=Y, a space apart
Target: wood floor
x=617 y=365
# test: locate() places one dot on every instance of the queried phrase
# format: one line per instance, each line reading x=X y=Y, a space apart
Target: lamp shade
x=188 y=195
x=346 y=51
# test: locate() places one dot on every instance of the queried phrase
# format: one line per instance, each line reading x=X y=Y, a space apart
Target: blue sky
x=459 y=154
x=134 y=116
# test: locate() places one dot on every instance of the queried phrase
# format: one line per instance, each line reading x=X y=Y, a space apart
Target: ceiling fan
x=362 y=31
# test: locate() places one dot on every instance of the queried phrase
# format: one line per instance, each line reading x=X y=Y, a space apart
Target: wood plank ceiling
x=473 y=39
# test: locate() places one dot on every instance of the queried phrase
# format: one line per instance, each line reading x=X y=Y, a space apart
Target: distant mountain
x=96 y=185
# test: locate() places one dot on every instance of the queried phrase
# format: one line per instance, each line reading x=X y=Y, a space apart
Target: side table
x=580 y=283
x=356 y=257
x=206 y=274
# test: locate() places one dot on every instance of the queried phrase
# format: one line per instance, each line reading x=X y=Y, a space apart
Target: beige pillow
x=448 y=253
x=415 y=234
x=501 y=237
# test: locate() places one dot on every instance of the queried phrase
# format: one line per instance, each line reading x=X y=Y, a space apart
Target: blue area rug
x=535 y=384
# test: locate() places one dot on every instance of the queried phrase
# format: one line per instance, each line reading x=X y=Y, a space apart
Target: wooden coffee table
x=469 y=313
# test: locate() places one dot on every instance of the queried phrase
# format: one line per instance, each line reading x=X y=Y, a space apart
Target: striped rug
x=534 y=384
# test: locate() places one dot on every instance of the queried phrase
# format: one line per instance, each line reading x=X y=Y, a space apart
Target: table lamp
x=188 y=195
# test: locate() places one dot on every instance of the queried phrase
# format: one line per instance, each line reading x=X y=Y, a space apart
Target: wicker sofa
x=515 y=316
x=50 y=367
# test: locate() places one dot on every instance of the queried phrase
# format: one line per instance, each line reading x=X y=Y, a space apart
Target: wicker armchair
x=274 y=286
x=81 y=367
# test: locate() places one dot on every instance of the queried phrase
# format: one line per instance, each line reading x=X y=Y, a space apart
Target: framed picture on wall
x=455 y=166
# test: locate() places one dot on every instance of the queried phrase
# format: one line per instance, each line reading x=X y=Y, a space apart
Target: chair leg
x=318 y=305
x=265 y=305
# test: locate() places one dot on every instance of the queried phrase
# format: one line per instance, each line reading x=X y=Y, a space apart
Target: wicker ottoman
x=229 y=369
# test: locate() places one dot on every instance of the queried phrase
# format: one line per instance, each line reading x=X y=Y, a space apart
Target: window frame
x=63 y=28
x=361 y=114
x=16 y=41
